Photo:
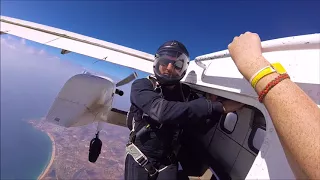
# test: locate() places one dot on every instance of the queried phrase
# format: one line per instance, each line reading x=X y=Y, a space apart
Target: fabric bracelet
x=272 y=84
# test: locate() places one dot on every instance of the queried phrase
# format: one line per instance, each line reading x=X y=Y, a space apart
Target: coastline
x=53 y=153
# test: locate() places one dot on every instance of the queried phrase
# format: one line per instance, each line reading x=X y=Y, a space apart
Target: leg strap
x=141 y=159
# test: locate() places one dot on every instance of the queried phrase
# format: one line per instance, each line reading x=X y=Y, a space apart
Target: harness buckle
x=141 y=159
x=153 y=174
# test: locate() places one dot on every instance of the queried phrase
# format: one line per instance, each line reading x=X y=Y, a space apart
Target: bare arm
x=295 y=116
x=297 y=121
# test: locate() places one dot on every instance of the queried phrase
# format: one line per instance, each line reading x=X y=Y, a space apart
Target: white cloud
x=30 y=50
x=32 y=75
x=41 y=52
x=23 y=41
x=3 y=40
x=19 y=45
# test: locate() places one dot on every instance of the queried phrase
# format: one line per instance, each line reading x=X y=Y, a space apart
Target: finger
x=235 y=38
x=230 y=44
x=256 y=35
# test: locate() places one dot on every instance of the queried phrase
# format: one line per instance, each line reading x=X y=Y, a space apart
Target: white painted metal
x=77 y=43
x=83 y=99
x=302 y=65
x=308 y=41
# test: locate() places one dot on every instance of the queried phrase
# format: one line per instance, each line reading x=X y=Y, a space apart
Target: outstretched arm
x=163 y=111
x=295 y=116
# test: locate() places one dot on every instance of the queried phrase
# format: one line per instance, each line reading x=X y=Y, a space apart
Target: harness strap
x=142 y=160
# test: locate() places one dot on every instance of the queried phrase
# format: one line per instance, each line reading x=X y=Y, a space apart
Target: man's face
x=168 y=70
x=169 y=67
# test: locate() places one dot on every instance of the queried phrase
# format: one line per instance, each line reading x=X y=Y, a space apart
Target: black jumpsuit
x=168 y=109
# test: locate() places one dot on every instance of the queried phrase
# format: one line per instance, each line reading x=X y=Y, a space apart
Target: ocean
x=29 y=84
x=25 y=151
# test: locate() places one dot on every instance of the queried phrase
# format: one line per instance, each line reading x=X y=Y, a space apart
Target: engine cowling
x=84 y=99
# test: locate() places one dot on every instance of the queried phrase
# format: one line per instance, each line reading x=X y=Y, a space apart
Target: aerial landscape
x=71 y=147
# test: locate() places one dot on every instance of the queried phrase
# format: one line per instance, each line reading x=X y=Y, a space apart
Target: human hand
x=211 y=97
x=230 y=106
x=245 y=51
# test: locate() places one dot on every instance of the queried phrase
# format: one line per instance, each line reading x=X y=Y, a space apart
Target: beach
x=43 y=174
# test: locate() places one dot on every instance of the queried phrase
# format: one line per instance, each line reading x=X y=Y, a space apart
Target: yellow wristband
x=279 y=68
x=260 y=74
x=266 y=71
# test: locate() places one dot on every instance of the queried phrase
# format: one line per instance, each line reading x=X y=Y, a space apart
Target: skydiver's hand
x=230 y=106
x=211 y=97
x=245 y=51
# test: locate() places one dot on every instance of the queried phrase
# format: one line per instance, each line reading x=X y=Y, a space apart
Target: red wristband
x=271 y=84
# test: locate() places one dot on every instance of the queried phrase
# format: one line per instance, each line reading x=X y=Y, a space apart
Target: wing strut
x=63 y=51
x=1 y=32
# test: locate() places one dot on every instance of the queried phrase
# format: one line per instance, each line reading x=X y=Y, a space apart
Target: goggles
x=177 y=59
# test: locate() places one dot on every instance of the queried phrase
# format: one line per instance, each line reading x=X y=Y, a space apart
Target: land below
x=71 y=149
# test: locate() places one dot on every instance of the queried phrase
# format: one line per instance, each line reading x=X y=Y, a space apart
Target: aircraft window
x=259 y=119
x=229 y=122
x=256 y=138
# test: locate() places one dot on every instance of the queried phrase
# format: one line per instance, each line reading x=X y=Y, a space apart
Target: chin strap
x=156 y=85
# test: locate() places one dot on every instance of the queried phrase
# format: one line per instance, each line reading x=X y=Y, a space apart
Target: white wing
x=72 y=42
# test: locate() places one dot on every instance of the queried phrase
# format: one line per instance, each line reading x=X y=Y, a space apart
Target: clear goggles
x=178 y=60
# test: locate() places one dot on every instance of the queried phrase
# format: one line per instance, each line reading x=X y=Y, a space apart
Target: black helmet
x=173 y=52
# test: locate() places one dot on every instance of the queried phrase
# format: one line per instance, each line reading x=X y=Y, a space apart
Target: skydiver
x=160 y=107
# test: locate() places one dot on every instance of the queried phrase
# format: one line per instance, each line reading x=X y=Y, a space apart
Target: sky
x=203 y=26
x=31 y=75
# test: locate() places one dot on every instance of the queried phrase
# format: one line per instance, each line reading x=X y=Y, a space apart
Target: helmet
x=174 y=53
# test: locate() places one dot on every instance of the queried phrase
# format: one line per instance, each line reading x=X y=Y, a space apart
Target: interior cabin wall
x=234 y=144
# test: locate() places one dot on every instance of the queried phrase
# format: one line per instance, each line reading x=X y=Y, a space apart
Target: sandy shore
x=42 y=175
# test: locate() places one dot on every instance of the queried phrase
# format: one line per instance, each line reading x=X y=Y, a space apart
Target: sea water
x=25 y=151
x=29 y=85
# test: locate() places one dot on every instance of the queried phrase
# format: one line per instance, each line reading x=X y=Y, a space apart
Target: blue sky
x=203 y=26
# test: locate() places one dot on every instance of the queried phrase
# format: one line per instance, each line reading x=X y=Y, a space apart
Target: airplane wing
x=72 y=42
